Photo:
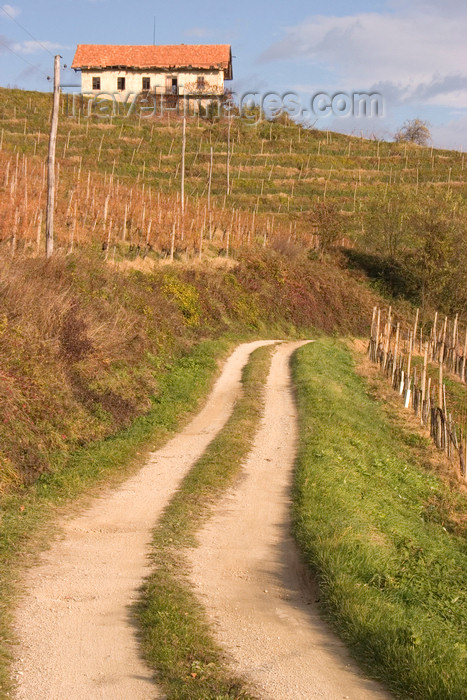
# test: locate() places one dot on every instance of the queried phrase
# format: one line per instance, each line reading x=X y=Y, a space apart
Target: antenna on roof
x=154 y=32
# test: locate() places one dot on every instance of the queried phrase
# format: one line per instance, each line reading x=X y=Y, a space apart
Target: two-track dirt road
x=76 y=638
x=248 y=574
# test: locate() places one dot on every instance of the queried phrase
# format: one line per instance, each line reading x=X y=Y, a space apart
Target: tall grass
x=84 y=345
x=391 y=558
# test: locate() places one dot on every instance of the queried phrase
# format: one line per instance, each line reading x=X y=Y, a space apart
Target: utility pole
x=49 y=226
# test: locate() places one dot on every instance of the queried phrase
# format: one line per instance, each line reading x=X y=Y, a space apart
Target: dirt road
x=248 y=575
x=76 y=639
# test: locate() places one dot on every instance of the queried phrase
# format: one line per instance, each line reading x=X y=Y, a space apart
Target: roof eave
x=227 y=69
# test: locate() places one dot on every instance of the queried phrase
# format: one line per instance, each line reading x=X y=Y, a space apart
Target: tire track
x=249 y=577
x=76 y=638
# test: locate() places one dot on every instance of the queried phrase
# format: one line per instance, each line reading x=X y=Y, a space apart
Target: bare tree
x=414 y=131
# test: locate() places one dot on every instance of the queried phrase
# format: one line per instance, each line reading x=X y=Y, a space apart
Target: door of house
x=171 y=91
x=171 y=85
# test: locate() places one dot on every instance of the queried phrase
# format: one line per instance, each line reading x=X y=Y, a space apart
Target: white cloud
x=417 y=51
x=438 y=7
x=11 y=11
x=198 y=32
x=35 y=46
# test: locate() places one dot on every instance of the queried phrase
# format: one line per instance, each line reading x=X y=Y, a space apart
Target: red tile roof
x=216 y=56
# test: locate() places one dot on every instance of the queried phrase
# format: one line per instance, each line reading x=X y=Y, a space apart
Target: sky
x=410 y=52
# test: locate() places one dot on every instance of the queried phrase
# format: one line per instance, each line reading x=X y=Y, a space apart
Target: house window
x=96 y=83
x=146 y=84
x=200 y=82
x=120 y=83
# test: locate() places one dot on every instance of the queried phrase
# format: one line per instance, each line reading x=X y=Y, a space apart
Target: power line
x=25 y=30
x=8 y=48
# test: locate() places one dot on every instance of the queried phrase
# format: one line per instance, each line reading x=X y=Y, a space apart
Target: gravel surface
x=248 y=575
x=76 y=637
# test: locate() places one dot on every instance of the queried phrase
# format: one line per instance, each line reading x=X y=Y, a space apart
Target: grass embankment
x=390 y=556
x=177 y=641
x=26 y=514
x=96 y=362
x=83 y=344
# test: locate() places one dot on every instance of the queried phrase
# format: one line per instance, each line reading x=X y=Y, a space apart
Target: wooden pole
x=378 y=323
x=49 y=227
x=210 y=181
x=228 y=153
x=440 y=385
x=125 y=222
x=409 y=362
x=182 y=190
x=396 y=351
x=425 y=366
x=39 y=230
x=464 y=357
x=172 y=243
x=443 y=341
x=454 y=331
x=387 y=339
x=435 y=337
x=414 y=337
x=373 y=323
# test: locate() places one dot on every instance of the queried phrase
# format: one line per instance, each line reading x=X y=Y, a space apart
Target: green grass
x=26 y=516
x=391 y=561
x=177 y=641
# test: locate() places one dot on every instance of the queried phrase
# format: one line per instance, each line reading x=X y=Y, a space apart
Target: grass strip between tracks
x=176 y=638
x=371 y=523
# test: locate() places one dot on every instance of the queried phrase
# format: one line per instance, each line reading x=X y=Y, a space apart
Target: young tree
x=437 y=258
x=327 y=220
x=384 y=222
x=414 y=131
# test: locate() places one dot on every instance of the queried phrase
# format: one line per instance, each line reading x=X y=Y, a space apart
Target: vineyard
x=416 y=360
x=125 y=184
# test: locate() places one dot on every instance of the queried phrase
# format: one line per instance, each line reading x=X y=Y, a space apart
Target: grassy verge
x=369 y=520
x=26 y=515
x=176 y=638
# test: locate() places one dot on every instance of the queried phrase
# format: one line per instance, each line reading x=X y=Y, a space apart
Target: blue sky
x=411 y=51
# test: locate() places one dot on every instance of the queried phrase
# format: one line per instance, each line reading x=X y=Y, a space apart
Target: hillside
x=108 y=347
x=83 y=347
x=120 y=177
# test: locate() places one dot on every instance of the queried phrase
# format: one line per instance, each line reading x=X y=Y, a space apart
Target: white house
x=162 y=70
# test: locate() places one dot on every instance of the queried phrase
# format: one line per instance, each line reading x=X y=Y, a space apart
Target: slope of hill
x=105 y=345
x=124 y=173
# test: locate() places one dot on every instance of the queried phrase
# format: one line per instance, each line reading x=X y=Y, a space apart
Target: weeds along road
x=76 y=637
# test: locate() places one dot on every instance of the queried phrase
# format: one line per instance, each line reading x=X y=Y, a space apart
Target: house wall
x=134 y=83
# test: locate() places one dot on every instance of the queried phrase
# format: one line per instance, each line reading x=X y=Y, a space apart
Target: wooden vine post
x=229 y=122
x=49 y=227
x=182 y=189
x=210 y=181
